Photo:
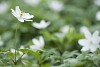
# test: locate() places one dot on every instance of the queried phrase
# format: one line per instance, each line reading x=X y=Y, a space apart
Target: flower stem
x=16 y=43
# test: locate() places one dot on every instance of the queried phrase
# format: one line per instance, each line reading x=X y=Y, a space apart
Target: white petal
x=20 y=19
x=28 y=20
x=98 y=16
x=36 y=42
x=18 y=11
x=36 y=25
x=96 y=37
x=96 y=34
x=44 y=24
x=35 y=47
x=41 y=41
x=85 y=48
x=12 y=50
x=86 y=32
x=27 y=16
x=14 y=13
x=93 y=48
x=83 y=42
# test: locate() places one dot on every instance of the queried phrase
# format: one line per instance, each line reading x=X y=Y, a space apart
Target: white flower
x=84 y=30
x=21 y=53
x=32 y=2
x=91 y=42
x=56 y=5
x=42 y=25
x=21 y=47
x=98 y=16
x=65 y=29
x=1 y=42
x=38 y=44
x=97 y=2
x=21 y=16
x=3 y=7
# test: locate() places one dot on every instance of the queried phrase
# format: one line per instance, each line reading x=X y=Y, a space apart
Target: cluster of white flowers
x=22 y=17
x=91 y=41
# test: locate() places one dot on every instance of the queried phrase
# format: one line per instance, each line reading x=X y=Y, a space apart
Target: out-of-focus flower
x=13 y=51
x=32 y=2
x=21 y=16
x=3 y=7
x=65 y=29
x=42 y=25
x=84 y=30
x=97 y=2
x=91 y=42
x=98 y=16
x=21 y=47
x=1 y=42
x=56 y=5
x=38 y=44
x=21 y=53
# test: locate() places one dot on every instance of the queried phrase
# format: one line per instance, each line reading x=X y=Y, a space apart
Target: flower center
x=22 y=14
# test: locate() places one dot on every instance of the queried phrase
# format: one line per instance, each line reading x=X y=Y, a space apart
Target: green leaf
x=36 y=54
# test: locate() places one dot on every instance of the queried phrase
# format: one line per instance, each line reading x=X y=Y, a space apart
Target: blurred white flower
x=38 y=44
x=21 y=53
x=21 y=16
x=56 y=5
x=97 y=2
x=12 y=50
x=65 y=29
x=21 y=47
x=91 y=42
x=32 y=2
x=98 y=16
x=42 y=25
x=1 y=42
x=3 y=7
x=84 y=30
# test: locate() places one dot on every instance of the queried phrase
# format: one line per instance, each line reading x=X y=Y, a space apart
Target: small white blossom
x=98 y=16
x=97 y=2
x=32 y=2
x=3 y=7
x=91 y=42
x=65 y=29
x=38 y=44
x=21 y=16
x=56 y=5
x=21 y=47
x=21 y=53
x=42 y=25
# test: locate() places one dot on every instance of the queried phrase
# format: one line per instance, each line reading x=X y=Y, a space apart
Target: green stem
x=40 y=61
x=16 y=43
